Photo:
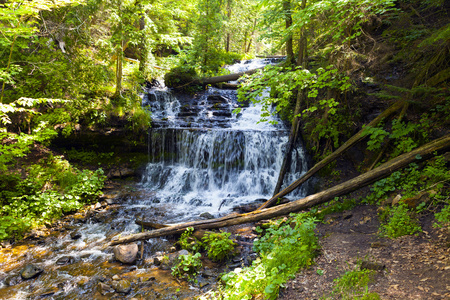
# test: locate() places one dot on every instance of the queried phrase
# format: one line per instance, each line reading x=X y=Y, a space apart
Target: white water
x=212 y=166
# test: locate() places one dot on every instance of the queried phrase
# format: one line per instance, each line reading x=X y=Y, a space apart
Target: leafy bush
x=410 y=181
x=218 y=245
x=443 y=217
x=188 y=266
x=283 y=250
x=400 y=222
x=189 y=242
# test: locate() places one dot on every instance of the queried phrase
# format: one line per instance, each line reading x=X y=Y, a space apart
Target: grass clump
x=353 y=285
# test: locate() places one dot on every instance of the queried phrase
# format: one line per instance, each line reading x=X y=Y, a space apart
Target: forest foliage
x=68 y=66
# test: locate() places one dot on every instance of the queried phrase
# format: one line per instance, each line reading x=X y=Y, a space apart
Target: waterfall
x=205 y=158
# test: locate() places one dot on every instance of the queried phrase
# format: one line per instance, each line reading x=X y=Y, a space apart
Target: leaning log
x=344 y=188
x=330 y=158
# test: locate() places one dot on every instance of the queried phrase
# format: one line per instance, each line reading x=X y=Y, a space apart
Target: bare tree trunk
x=288 y=19
x=119 y=64
x=301 y=61
x=344 y=188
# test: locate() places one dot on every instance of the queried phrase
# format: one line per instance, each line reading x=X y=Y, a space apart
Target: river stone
x=75 y=235
x=105 y=289
x=206 y=215
x=122 y=286
x=126 y=253
x=65 y=260
x=116 y=277
x=31 y=271
x=13 y=280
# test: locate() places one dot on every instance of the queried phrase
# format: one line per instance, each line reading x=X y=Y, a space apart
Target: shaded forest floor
x=412 y=267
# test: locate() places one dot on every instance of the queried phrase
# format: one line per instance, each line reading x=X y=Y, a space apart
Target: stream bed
x=204 y=161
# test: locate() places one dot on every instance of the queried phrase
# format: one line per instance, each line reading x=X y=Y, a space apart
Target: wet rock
x=105 y=289
x=122 y=286
x=116 y=277
x=75 y=235
x=183 y=252
x=31 y=271
x=369 y=265
x=65 y=260
x=121 y=173
x=126 y=253
x=206 y=215
x=208 y=273
x=96 y=206
x=13 y=280
x=111 y=201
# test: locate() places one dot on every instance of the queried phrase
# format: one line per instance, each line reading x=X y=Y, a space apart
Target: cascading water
x=204 y=158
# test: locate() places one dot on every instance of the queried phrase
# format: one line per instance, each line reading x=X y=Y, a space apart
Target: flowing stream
x=202 y=159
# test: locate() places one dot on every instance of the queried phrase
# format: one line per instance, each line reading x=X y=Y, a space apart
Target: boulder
x=31 y=271
x=126 y=253
x=206 y=215
x=122 y=286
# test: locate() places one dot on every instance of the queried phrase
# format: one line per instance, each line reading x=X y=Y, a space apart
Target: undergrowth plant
x=35 y=193
x=218 y=245
x=428 y=178
x=400 y=222
x=188 y=242
x=187 y=266
x=283 y=250
x=353 y=285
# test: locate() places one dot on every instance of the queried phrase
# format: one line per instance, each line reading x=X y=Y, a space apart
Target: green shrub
x=400 y=222
x=218 y=245
x=443 y=217
x=189 y=242
x=180 y=76
x=187 y=266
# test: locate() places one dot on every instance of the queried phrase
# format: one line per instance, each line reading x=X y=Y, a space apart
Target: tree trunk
x=352 y=141
x=301 y=61
x=288 y=19
x=119 y=63
x=344 y=188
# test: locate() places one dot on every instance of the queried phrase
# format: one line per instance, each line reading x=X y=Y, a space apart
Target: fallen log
x=344 y=188
x=226 y=78
x=330 y=158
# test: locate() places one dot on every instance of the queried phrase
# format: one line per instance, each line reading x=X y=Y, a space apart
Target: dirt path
x=414 y=267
